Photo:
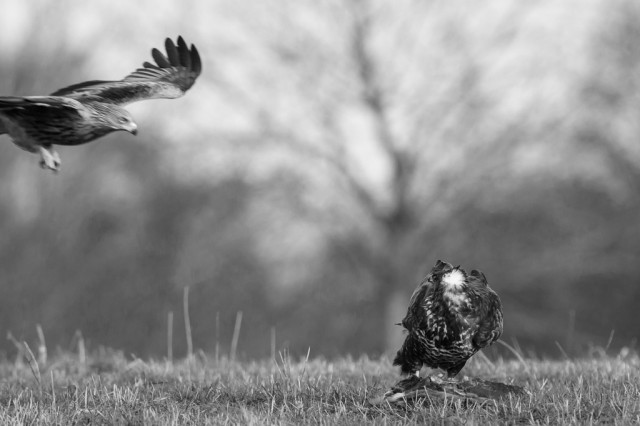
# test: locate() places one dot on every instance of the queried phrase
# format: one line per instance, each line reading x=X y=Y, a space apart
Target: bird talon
x=49 y=159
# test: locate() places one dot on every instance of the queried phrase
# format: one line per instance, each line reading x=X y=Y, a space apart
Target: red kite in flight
x=85 y=111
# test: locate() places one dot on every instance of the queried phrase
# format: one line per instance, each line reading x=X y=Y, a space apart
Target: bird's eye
x=123 y=120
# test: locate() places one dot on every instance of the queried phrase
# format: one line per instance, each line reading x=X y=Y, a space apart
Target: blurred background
x=329 y=154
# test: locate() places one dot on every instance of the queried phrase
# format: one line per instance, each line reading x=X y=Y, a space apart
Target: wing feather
x=487 y=318
x=24 y=102
x=415 y=317
x=172 y=52
x=183 y=50
x=196 y=63
x=39 y=114
x=160 y=59
x=170 y=77
x=490 y=325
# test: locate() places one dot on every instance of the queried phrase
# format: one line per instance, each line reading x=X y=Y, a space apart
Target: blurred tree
x=333 y=151
x=607 y=126
x=390 y=135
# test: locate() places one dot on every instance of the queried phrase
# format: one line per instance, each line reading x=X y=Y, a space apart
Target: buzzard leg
x=49 y=159
x=445 y=378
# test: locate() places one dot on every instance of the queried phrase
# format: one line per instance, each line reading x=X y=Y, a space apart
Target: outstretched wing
x=170 y=78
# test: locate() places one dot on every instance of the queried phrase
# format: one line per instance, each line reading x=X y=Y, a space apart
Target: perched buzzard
x=86 y=111
x=451 y=316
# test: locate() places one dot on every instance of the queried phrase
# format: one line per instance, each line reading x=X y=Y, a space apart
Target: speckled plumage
x=83 y=112
x=451 y=316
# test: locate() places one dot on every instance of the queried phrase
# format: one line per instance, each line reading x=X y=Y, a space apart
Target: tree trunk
x=395 y=276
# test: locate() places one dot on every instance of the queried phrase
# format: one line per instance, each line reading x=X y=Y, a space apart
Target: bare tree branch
x=337 y=162
x=373 y=98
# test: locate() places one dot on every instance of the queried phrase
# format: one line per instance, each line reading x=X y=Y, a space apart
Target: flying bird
x=451 y=316
x=86 y=111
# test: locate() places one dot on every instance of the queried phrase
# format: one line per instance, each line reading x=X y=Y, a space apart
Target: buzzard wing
x=487 y=315
x=170 y=77
x=490 y=324
x=416 y=318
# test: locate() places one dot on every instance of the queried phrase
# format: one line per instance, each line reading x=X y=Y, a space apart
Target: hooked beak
x=133 y=129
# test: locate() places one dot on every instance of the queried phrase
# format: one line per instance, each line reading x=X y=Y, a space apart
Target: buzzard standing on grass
x=86 y=111
x=451 y=316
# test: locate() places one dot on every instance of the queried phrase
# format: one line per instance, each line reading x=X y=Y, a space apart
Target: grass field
x=111 y=389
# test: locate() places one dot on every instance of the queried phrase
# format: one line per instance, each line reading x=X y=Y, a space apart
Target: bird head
x=439 y=269
x=447 y=275
x=111 y=118
x=121 y=119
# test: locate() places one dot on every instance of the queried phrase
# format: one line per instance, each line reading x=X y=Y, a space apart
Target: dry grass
x=114 y=390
